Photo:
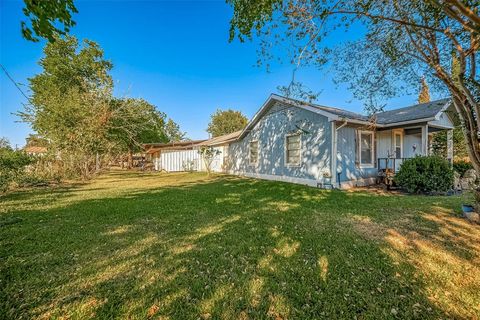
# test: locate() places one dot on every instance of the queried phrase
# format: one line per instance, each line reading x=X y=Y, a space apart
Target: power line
x=15 y=83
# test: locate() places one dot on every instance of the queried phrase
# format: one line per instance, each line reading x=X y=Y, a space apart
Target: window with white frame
x=253 y=156
x=293 y=149
x=366 y=148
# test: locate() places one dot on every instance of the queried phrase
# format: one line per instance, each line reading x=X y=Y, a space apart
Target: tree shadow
x=236 y=248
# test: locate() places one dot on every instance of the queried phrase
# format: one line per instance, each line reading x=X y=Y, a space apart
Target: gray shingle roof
x=415 y=112
x=411 y=113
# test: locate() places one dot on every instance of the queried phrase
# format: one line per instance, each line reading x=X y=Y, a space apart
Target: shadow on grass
x=236 y=248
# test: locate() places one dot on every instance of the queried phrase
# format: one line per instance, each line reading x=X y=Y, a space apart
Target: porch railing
x=390 y=163
x=394 y=163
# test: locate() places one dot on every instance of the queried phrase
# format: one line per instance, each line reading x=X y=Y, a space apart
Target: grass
x=185 y=246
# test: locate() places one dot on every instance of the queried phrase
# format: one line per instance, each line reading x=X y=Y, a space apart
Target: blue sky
x=174 y=54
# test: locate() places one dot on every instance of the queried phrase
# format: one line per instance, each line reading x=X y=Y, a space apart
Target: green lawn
x=184 y=246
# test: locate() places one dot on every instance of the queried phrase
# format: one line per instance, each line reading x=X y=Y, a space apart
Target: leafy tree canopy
x=173 y=132
x=400 y=41
x=47 y=19
x=225 y=122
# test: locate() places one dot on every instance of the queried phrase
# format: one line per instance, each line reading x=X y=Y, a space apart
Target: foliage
x=425 y=174
x=131 y=245
x=208 y=154
x=424 y=95
x=134 y=122
x=461 y=167
x=439 y=143
x=73 y=111
x=226 y=121
x=12 y=166
x=173 y=132
x=45 y=16
x=70 y=102
x=400 y=41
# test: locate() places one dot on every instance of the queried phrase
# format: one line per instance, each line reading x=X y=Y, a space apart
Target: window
x=253 y=152
x=293 y=148
x=366 y=148
x=398 y=145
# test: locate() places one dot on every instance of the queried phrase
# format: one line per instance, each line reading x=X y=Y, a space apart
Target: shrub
x=12 y=166
x=461 y=167
x=425 y=174
x=31 y=180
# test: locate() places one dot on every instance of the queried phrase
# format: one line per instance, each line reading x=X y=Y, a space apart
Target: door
x=398 y=148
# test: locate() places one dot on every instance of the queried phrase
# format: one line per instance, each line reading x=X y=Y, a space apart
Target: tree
x=424 y=95
x=45 y=16
x=225 y=122
x=70 y=102
x=173 y=132
x=133 y=123
x=403 y=39
x=208 y=154
x=12 y=164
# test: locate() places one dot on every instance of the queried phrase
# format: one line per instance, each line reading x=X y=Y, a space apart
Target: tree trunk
x=130 y=158
x=97 y=163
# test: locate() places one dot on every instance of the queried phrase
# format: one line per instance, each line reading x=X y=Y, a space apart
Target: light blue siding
x=270 y=132
x=412 y=145
x=346 y=158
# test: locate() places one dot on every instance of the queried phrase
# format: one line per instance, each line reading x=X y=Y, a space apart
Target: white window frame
x=287 y=164
x=372 y=150
x=395 y=133
x=250 y=150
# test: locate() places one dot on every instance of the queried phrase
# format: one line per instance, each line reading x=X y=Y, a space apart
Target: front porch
x=396 y=145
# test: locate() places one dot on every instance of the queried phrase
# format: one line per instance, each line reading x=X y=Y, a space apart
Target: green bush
x=31 y=180
x=425 y=174
x=12 y=166
x=461 y=167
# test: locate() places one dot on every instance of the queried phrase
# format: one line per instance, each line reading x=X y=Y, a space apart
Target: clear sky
x=175 y=54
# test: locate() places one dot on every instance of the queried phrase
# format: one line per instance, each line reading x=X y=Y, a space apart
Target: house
x=306 y=143
x=185 y=156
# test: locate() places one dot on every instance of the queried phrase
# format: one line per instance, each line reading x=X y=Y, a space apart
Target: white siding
x=177 y=160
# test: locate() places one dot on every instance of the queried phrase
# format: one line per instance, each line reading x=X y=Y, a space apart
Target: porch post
x=425 y=140
x=450 y=144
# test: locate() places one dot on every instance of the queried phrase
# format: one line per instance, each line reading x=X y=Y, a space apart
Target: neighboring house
x=35 y=150
x=306 y=143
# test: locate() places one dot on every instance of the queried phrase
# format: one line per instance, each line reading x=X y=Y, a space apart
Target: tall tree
x=173 y=132
x=424 y=95
x=133 y=123
x=225 y=122
x=403 y=39
x=47 y=19
x=70 y=101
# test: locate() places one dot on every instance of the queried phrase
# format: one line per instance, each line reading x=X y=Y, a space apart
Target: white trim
x=394 y=133
x=285 y=152
x=250 y=163
x=334 y=153
x=331 y=117
x=372 y=151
